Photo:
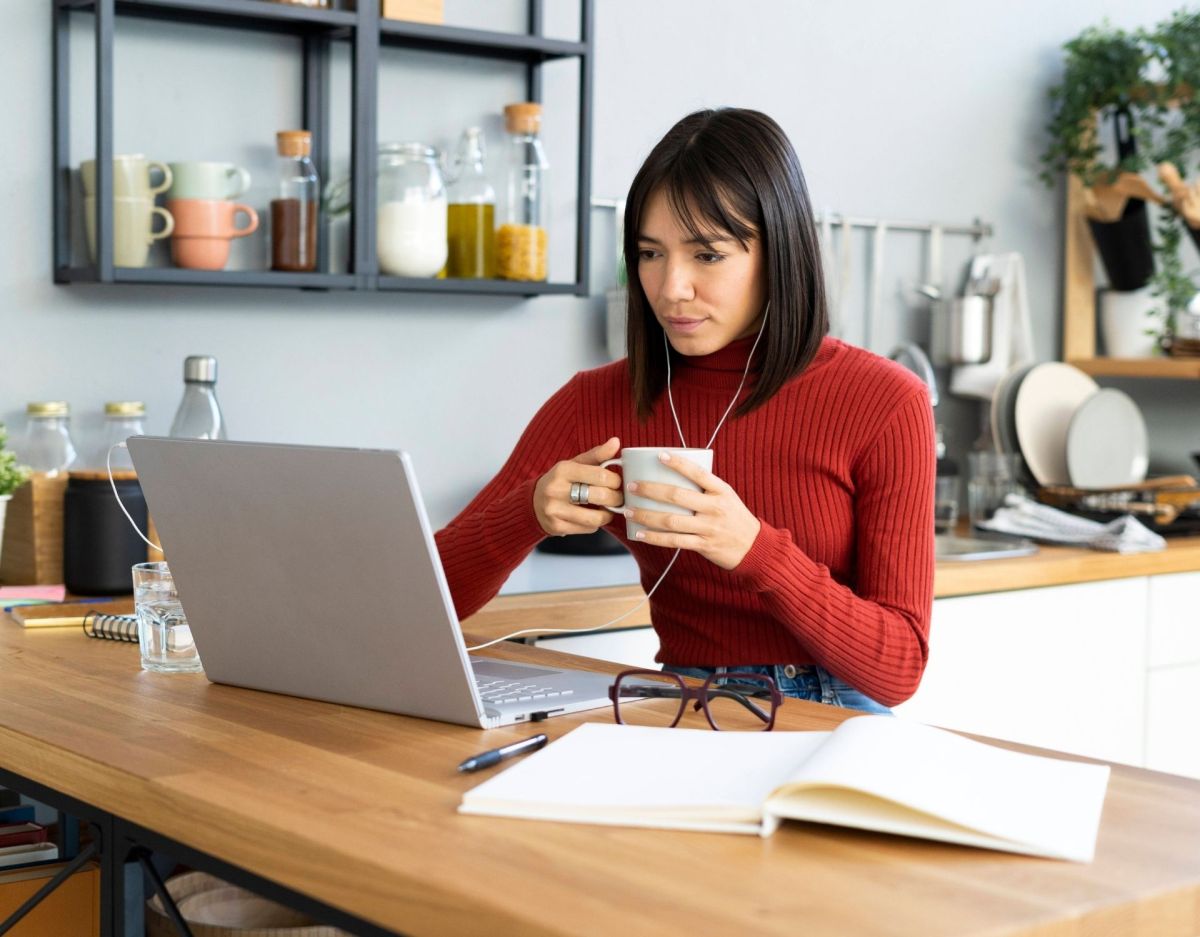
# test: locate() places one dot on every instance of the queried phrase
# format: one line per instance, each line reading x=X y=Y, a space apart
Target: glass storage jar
x=410 y=233
x=522 y=240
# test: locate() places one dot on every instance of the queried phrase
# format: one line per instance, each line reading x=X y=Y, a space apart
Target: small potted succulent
x=12 y=477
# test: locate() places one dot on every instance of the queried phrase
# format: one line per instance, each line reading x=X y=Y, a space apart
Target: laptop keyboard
x=492 y=690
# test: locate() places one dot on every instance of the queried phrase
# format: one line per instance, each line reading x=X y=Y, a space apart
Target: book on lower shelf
x=879 y=773
x=71 y=910
x=27 y=854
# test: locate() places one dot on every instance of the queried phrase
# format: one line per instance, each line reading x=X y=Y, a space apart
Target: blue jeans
x=807 y=682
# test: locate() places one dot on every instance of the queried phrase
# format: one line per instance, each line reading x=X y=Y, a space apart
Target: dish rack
x=1169 y=504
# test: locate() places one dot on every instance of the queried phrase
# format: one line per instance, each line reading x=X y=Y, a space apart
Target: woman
x=809 y=555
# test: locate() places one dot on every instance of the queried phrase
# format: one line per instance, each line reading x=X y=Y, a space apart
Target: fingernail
x=664 y=457
x=628 y=512
x=640 y=535
x=632 y=486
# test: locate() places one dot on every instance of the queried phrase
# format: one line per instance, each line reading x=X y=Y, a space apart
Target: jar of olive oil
x=522 y=241
x=472 y=213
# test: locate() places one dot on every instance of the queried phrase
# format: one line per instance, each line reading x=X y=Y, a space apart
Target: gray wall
x=917 y=110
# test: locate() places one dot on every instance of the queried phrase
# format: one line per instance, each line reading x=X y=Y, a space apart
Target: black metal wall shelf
x=315 y=28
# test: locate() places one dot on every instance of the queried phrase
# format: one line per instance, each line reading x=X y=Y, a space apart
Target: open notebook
x=872 y=772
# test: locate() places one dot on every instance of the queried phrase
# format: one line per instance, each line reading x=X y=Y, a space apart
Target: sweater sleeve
x=492 y=535
x=874 y=636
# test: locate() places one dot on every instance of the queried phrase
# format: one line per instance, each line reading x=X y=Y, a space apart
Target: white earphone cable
x=132 y=523
x=654 y=588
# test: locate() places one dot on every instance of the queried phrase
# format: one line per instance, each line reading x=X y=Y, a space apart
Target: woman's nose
x=677 y=284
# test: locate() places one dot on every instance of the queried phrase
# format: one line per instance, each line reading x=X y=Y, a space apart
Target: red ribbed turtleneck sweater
x=839 y=468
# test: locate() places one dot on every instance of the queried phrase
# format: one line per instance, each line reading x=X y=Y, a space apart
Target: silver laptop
x=312 y=571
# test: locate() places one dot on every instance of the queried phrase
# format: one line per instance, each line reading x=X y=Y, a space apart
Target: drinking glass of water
x=163 y=632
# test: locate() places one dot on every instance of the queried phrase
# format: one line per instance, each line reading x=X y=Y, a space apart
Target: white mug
x=641 y=464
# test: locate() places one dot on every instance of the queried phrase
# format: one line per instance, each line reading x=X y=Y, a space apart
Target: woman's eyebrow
x=705 y=242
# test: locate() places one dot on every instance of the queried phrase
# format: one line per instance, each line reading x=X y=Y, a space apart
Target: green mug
x=207 y=180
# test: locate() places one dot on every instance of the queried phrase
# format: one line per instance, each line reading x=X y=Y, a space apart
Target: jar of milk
x=410 y=236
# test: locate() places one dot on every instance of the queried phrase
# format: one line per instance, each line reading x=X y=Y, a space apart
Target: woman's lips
x=684 y=325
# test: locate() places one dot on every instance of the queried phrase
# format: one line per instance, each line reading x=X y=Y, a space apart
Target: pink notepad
x=14 y=594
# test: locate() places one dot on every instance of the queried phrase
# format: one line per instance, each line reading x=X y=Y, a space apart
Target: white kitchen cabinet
x=634 y=647
x=1173 y=683
x=1172 y=737
x=1062 y=667
x=1174 y=619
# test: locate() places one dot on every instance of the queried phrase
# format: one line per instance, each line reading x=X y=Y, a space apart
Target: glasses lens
x=648 y=699
x=740 y=702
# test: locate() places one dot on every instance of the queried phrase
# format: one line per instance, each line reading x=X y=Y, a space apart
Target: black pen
x=496 y=755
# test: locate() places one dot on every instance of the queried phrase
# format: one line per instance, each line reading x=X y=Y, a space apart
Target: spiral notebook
x=111 y=627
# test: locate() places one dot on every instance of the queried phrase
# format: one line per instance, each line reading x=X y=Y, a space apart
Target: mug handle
x=168 y=223
x=167 y=177
x=243 y=182
x=612 y=462
x=237 y=232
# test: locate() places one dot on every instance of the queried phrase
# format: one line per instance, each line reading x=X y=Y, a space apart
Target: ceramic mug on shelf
x=204 y=230
x=133 y=228
x=207 y=180
x=131 y=175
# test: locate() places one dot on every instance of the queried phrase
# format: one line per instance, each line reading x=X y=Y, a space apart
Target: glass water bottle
x=47 y=447
x=122 y=419
x=522 y=241
x=472 y=213
x=199 y=414
x=294 y=212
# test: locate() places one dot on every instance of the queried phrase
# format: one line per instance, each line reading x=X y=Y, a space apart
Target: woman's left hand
x=722 y=529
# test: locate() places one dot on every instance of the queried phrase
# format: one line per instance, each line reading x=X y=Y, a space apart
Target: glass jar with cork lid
x=294 y=212
x=522 y=240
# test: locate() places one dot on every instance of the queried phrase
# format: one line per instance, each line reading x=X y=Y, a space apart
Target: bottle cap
x=293 y=142
x=200 y=368
x=48 y=408
x=525 y=117
x=125 y=408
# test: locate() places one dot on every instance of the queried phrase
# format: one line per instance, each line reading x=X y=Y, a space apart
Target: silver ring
x=579 y=493
x=583 y=493
x=574 y=492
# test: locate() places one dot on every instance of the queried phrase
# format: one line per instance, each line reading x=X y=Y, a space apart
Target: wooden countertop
x=1059 y=566
x=1051 y=566
x=357 y=809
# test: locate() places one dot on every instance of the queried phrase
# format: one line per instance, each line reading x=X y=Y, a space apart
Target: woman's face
x=704 y=295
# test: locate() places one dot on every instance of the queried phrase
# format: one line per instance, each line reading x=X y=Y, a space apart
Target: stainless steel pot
x=962 y=330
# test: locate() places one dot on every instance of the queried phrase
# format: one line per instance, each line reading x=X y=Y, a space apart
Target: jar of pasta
x=522 y=241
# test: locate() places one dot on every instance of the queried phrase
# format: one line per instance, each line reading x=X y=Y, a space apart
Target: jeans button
x=789 y=671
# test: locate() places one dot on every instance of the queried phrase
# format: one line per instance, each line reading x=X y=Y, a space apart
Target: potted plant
x=12 y=477
x=1104 y=85
x=1139 y=84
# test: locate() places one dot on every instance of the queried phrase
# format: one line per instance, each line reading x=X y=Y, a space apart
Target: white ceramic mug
x=641 y=464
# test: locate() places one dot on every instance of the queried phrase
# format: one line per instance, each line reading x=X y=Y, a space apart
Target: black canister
x=99 y=544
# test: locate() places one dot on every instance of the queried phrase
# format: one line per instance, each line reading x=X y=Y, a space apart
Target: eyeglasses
x=738 y=701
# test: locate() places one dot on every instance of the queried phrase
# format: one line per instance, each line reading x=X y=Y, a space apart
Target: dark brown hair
x=732 y=173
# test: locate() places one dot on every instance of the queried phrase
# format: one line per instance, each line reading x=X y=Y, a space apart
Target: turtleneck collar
x=722 y=370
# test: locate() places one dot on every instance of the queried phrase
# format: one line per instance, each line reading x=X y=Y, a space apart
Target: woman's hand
x=552 y=493
x=721 y=530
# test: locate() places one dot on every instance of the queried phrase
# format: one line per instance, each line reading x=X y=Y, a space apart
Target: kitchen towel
x=1027 y=518
x=1012 y=330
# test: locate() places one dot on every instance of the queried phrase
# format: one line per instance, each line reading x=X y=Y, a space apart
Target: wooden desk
x=357 y=810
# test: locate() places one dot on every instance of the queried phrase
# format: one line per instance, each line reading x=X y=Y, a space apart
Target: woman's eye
x=710 y=257
x=645 y=254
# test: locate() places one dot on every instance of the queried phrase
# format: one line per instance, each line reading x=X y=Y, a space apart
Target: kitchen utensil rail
x=978 y=229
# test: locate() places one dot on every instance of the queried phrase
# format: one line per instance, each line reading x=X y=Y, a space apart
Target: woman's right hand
x=552 y=493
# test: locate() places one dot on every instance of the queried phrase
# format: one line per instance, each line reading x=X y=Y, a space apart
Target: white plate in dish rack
x=1046 y=402
x=1107 y=443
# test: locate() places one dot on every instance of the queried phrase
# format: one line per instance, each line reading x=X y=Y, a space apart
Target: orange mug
x=204 y=229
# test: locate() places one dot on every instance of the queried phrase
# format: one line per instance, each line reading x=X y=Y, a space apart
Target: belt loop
x=789 y=671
